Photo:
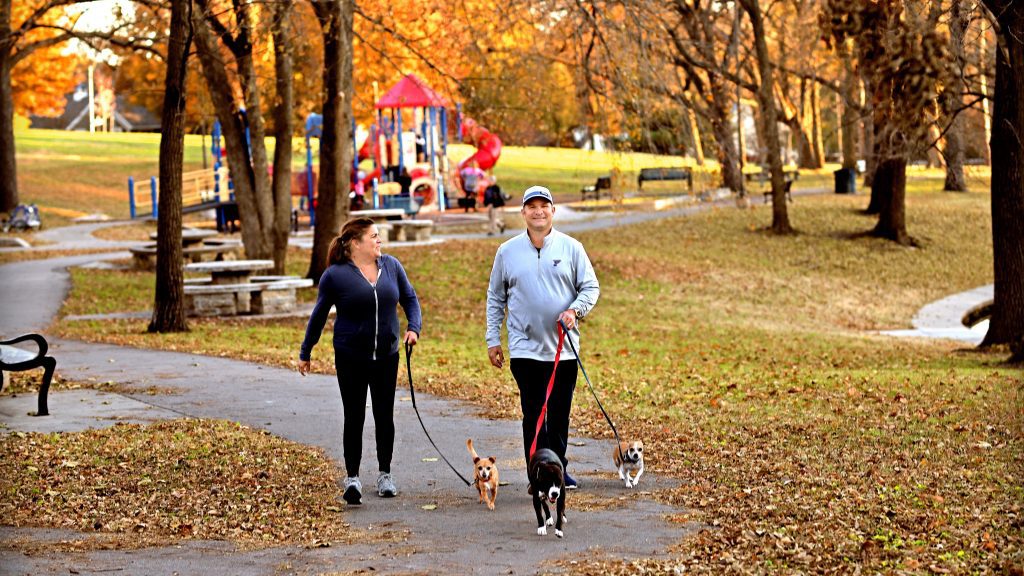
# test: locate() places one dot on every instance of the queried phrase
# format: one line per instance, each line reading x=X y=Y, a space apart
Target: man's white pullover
x=535 y=286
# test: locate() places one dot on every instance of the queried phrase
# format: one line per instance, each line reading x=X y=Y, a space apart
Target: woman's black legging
x=355 y=375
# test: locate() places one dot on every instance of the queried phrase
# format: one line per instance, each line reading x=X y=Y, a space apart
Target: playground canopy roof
x=411 y=92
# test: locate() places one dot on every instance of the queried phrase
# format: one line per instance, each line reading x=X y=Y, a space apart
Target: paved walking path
x=458 y=536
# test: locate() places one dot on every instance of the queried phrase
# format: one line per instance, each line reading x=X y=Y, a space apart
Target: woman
x=365 y=288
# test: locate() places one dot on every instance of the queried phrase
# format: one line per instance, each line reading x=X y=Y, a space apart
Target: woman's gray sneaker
x=386 y=486
x=353 y=490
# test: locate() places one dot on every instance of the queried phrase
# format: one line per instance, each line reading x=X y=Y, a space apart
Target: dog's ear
x=476 y=459
x=493 y=460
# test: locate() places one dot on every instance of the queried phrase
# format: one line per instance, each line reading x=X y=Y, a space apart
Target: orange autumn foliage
x=42 y=78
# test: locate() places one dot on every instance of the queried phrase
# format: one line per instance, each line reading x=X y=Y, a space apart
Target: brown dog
x=629 y=457
x=485 y=476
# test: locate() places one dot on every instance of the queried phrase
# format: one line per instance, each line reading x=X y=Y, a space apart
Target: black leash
x=412 y=393
x=618 y=442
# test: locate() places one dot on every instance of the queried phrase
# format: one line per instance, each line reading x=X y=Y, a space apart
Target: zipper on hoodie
x=376 y=311
x=376 y=317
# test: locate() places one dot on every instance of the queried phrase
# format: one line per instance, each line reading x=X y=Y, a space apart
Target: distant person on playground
x=494 y=199
x=540 y=277
x=365 y=287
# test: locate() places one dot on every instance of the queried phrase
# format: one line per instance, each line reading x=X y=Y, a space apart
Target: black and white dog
x=547 y=485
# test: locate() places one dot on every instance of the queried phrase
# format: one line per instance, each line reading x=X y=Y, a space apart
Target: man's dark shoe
x=570 y=482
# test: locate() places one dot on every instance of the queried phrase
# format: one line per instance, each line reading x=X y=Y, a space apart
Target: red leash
x=551 y=386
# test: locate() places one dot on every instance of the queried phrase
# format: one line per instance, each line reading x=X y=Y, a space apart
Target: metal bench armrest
x=37 y=338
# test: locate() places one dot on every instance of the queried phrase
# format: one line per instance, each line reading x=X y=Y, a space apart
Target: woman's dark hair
x=341 y=247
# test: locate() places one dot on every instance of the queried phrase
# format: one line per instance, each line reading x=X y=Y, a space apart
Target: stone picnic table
x=196 y=244
x=190 y=236
x=229 y=271
x=233 y=289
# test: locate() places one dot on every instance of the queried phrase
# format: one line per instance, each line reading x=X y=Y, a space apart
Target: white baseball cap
x=537 y=192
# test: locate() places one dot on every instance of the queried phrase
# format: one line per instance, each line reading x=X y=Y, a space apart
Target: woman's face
x=368 y=244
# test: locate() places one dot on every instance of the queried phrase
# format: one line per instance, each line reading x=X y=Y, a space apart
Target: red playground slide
x=488 y=145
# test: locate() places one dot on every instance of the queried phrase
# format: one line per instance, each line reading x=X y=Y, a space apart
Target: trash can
x=846 y=181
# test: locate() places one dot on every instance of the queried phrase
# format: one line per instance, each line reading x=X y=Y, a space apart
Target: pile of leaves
x=181 y=479
x=28 y=383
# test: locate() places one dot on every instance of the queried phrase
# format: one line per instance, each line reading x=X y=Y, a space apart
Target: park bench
x=14 y=359
x=261 y=295
x=664 y=174
x=764 y=180
x=410 y=230
x=603 y=183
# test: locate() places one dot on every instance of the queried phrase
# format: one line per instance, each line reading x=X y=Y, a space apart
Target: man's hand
x=568 y=318
x=303 y=367
x=410 y=338
x=497 y=356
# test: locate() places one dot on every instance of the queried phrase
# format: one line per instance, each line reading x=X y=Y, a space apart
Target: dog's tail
x=469 y=446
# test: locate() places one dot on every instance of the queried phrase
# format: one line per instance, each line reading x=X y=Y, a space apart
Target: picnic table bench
x=602 y=183
x=663 y=174
x=409 y=230
x=14 y=359
x=232 y=289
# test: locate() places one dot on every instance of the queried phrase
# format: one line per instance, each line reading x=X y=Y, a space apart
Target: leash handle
x=412 y=394
x=618 y=441
x=551 y=386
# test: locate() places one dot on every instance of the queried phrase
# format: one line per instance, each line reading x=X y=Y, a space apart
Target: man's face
x=538 y=214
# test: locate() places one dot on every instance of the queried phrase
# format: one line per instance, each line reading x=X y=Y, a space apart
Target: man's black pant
x=532 y=376
x=355 y=375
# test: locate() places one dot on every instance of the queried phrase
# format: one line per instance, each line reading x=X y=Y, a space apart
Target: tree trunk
x=952 y=98
x=876 y=202
x=335 y=19
x=284 y=126
x=169 y=300
x=850 y=117
x=802 y=127
x=891 y=184
x=261 y=221
x=8 y=161
x=721 y=129
x=769 y=116
x=817 y=142
x=248 y=172
x=698 y=146
x=868 y=147
x=1007 y=322
x=233 y=127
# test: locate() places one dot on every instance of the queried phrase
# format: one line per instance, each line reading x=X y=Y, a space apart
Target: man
x=540 y=277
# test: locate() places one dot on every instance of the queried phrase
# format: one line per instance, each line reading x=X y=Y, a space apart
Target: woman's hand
x=303 y=367
x=410 y=338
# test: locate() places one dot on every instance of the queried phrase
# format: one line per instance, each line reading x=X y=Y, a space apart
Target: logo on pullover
x=555 y=262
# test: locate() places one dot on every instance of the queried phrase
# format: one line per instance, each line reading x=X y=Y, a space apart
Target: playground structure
x=410 y=167
x=207 y=189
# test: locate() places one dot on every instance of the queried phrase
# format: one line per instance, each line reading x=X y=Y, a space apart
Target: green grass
x=69 y=173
